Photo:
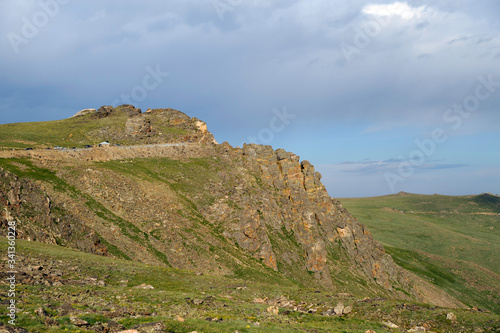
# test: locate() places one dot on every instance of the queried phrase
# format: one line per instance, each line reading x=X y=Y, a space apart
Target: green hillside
x=65 y=132
x=99 y=294
x=453 y=242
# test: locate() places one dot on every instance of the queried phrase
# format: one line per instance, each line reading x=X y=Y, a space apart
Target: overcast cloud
x=364 y=80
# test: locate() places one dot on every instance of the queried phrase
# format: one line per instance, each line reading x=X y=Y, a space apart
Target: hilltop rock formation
x=127 y=125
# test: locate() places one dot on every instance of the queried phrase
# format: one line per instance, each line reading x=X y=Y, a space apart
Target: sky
x=381 y=96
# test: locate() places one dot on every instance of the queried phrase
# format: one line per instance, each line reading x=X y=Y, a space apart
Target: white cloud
x=401 y=9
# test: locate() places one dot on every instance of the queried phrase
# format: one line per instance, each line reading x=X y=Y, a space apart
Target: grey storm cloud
x=274 y=51
x=383 y=65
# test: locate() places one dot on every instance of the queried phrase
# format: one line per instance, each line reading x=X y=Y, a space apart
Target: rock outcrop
x=128 y=125
x=298 y=204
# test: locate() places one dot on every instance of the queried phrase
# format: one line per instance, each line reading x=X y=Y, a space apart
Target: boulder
x=144 y=286
x=84 y=112
x=77 y=321
x=389 y=324
x=273 y=309
x=339 y=309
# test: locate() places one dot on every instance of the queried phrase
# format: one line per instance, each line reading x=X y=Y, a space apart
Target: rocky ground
x=60 y=290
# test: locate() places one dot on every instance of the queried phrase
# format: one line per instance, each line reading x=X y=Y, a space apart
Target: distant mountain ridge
x=453 y=241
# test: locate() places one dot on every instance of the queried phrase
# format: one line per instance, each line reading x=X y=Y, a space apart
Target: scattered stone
x=347 y=309
x=112 y=326
x=41 y=312
x=389 y=324
x=451 y=316
x=273 y=309
x=11 y=329
x=50 y=322
x=328 y=312
x=214 y=319
x=145 y=286
x=260 y=300
x=129 y=331
x=370 y=331
x=198 y=302
x=299 y=308
x=418 y=329
x=77 y=321
x=339 y=309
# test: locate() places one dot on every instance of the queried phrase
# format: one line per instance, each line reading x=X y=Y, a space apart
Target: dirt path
x=114 y=152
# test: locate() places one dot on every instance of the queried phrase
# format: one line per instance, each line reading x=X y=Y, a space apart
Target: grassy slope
x=232 y=306
x=447 y=240
x=57 y=133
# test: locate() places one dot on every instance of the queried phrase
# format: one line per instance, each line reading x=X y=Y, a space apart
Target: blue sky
x=381 y=96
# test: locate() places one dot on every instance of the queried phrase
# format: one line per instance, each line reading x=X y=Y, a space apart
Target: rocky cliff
x=251 y=212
